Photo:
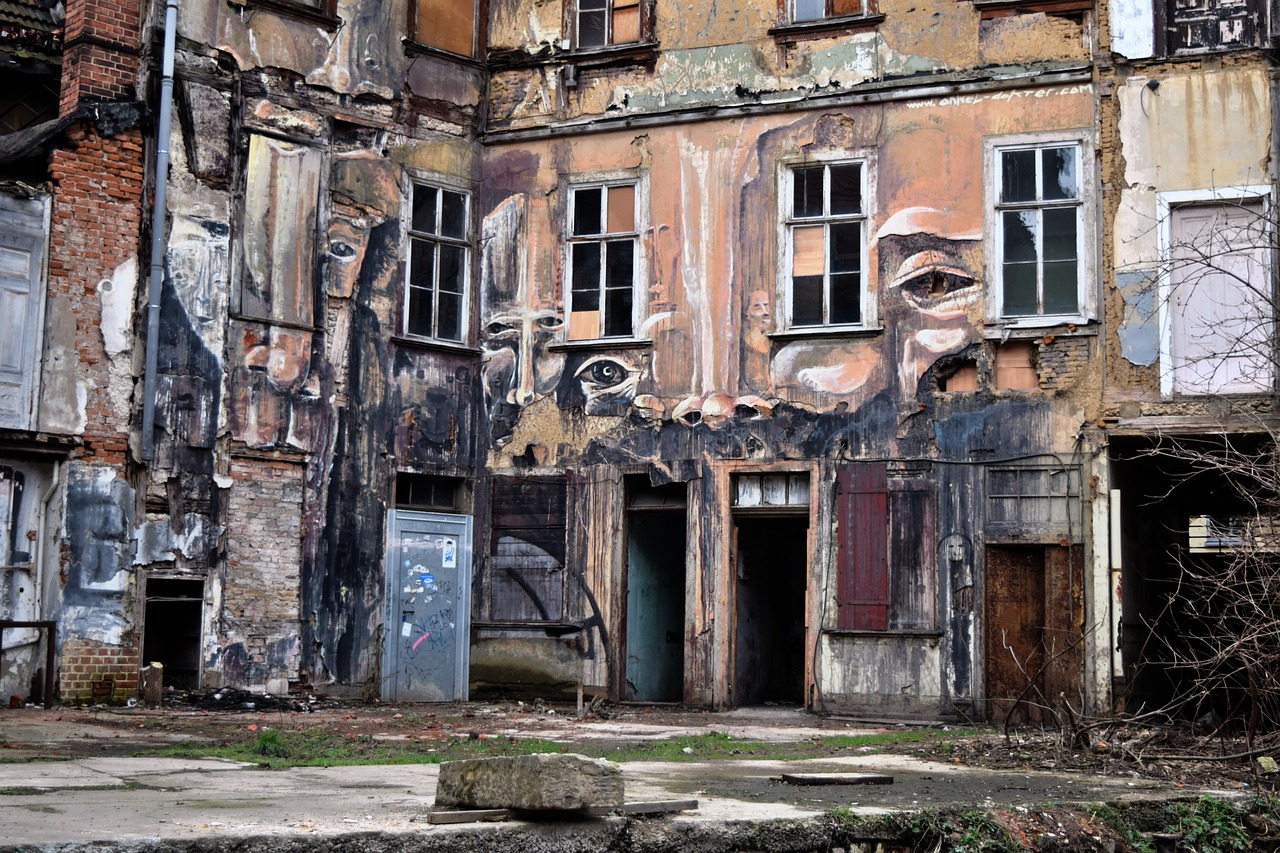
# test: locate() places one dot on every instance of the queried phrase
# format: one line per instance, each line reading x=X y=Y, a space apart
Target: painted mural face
x=599 y=384
x=517 y=366
x=931 y=288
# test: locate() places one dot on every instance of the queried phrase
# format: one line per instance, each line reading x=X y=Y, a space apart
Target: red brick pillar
x=100 y=51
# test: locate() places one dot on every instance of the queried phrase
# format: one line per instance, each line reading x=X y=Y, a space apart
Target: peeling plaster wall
x=1177 y=131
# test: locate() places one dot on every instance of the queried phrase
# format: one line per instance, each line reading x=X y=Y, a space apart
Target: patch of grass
x=1209 y=825
x=22 y=791
x=1118 y=823
x=321 y=748
x=960 y=832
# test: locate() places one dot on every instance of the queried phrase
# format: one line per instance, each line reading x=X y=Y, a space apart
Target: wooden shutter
x=862 y=509
x=526 y=562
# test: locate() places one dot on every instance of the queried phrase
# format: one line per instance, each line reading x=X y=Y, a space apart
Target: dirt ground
x=1170 y=754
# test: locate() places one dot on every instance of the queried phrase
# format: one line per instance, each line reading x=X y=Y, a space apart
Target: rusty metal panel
x=527 y=549
x=1015 y=603
x=863 y=560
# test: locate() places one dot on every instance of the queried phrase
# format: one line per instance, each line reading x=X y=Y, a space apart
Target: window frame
x=440 y=184
x=324 y=13
x=639 y=269
x=1085 y=236
x=870 y=8
x=644 y=25
x=415 y=37
x=787 y=221
x=1166 y=203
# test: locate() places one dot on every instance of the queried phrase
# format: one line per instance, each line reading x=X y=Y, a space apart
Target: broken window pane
x=846 y=189
x=586 y=276
x=593 y=19
x=424 y=209
x=807 y=251
x=1017 y=176
x=453 y=214
x=1059 y=173
x=807 y=191
x=587 y=207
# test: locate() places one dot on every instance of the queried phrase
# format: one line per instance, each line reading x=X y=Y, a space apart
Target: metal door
x=428 y=621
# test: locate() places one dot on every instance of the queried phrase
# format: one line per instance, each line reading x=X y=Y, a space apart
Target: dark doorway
x=655 y=594
x=174 y=614
x=1033 y=614
x=770 y=600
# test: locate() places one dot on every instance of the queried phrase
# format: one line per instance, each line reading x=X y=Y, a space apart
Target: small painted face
x=347 y=241
x=758 y=311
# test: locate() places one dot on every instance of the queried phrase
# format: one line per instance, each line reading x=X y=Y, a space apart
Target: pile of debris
x=230 y=699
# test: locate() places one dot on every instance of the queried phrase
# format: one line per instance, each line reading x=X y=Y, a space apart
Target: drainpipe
x=157 y=230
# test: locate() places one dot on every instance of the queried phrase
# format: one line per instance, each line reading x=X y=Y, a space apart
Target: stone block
x=533 y=782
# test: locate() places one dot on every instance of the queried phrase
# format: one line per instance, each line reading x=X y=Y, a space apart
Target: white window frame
x=868 y=7
x=639 y=271
x=786 y=221
x=1085 y=229
x=437 y=182
x=1165 y=203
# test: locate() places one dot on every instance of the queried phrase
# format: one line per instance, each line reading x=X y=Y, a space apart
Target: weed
x=1120 y=825
x=960 y=832
x=1209 y=826
x=270 y=744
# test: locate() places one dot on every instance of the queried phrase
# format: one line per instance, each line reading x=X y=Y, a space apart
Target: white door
x=22 y=249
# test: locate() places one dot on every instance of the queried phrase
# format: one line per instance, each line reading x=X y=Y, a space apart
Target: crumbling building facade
x=681 y=353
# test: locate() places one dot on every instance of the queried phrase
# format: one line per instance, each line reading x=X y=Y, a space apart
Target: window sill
x=1001 y=8
x=417 y=48
x=275 y=324
x=897 y=633
x=600 y=343
x=438 y=346
x=811 y=332
x=1024 y=328
x=555 y=628
x=321 y=17
x=792 y=33
x=631 y=53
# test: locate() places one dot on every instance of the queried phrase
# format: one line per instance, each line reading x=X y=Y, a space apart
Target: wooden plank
x=837 y=779
x=656 y=807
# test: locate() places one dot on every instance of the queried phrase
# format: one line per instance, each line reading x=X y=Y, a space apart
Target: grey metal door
x=426 y=653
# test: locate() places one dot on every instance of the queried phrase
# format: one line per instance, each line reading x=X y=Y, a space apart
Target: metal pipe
x=157 y=230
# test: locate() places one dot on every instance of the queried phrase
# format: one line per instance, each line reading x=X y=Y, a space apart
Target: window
x=526 y=565
x=428 y=492
x=1034 y=503
x=825 y=245
x=604 y=260
x=1039 y=230
x=817 y=10
x=1217 y=318
x=1211 y=24
x=22 y=296
x=435 y=294
x=445 y=24
x=602 y=22
x=885 y=562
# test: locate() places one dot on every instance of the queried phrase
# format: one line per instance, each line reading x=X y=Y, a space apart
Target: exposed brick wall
x=260 y=595
x=1062 y=360
x=97 y=214
x=84 y=662
x=100 y=55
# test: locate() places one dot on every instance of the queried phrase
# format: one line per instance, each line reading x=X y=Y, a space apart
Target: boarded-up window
x=446 y=24
x=278 y=231
x=527 y=549
x=886 y=578
x=1034 y=503
x=22 y=249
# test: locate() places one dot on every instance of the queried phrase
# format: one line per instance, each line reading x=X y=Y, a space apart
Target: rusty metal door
x=1014 y=631
x=426 y=653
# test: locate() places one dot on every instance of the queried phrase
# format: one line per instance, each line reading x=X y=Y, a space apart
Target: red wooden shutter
x=862 y=509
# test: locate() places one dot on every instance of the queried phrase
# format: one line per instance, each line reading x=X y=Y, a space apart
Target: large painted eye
x=935 y=284
x=342 y=251
x=604 y=374
x=550 y=322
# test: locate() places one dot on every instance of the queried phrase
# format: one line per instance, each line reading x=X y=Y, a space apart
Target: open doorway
x=172 y=624
x=655 y=592
x=769 y=592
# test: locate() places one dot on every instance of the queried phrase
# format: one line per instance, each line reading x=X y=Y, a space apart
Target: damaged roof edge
x=110 y=119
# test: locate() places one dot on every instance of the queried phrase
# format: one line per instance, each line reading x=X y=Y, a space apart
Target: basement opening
x=171 y=629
